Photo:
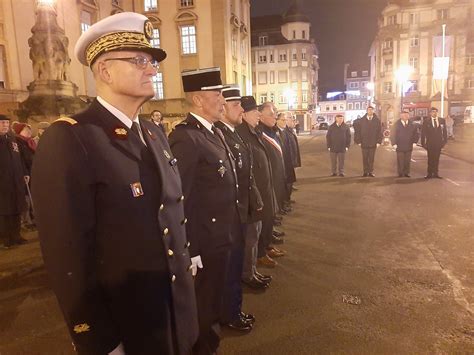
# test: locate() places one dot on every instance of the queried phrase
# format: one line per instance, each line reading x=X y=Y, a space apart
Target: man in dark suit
x=249 y=201
x=404 y=135
x=157 y=118
x=286 y=145
x=208 y=172
x=433 y=138
x=110 y=208
x=12 y=186
x=368 y=135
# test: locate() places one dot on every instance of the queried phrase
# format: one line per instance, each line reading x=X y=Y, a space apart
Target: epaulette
x=69 y=120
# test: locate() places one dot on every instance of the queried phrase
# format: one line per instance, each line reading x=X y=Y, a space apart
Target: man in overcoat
x=434 y=136
x=404 y=135
x=109 y=205
x=338 y=140
x=368 y=135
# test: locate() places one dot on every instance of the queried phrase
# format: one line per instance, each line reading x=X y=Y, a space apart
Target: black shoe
x=287 y=209
x=262 y=277
x=247 y=317
x=277 y=240
x=294 y=188
x=255 y=284
x=407 y=175
x=278 y=233
x=429 y=176
x=277 y=223
x=436 y=176
x=365 y=175
x=240 y=325
x=371 y=175
x=333 y=174
x=341 y=175
x=278 y=218
x=20 y=241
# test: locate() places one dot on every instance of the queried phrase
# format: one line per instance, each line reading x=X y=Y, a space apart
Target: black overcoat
x=368 y=133
x=431 y=137
x=112 y=231
x=404 y=136
x=338 y=138
x=286 y=142
x=295 y=147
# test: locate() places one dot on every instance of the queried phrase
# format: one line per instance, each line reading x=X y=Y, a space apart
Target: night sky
x=343 y=30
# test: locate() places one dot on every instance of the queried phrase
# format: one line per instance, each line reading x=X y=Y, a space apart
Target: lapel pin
x=222 y=171
x=151 y=134
x=173 y=161
x=121 y=133
x=237 y=146
x=137 y=189
x=167 y=155
x=15 y=147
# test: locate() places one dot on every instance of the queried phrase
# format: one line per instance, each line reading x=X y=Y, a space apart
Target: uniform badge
x=15 y=147
x=148 y=30
x=152 y=136
x=81 y=328
x=167 y=155
x=173 y=161
x=137 y=189
x=121 y=133
x=222 y=171
x=239 y=162
x=237 y=146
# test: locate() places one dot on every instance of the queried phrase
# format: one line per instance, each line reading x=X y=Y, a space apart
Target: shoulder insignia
x=81 y=328
x=69 y=120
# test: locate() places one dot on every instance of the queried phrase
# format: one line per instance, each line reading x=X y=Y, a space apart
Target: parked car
x=322 y=125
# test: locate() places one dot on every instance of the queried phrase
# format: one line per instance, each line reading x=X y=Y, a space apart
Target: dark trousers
x=10 y=229
x=266 y=236
x=232 y=301
x=368 y=156
x=337 y=162
x=252 y=235
x=433 y=160
x=403 y=162
x=209 y=284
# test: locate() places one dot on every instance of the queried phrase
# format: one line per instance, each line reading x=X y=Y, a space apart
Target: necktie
x=435 y=123
x=218 y=132
x=136 y=129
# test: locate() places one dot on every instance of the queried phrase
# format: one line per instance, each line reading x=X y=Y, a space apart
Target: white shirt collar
x=117 y=113
x=204 y=122
x=232 y=128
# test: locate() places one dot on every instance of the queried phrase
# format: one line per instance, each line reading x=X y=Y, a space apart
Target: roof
x=295 y=13
x=267 y=26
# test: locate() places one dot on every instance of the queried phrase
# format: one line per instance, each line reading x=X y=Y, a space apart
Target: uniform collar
x=203 y=121
x=117 y=113
x=232 y=128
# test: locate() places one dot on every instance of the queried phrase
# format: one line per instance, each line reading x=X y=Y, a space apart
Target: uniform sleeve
x=187 y=153
x=348 y=137
x=357 y=137
x=328 y=137
x=393 y=135
x=63 y=192
x=423 y=134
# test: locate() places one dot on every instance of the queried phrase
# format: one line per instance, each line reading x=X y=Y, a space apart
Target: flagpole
x=442 y=80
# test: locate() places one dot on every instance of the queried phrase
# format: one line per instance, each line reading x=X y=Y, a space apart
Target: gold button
x=187 y=245
x=213 y=220
x=237 y=185
x=165 y=231
x=181 y=198
x=170 y=252
x=237 y=201
x=173 y=278
x=162 y=207
x=184 y=221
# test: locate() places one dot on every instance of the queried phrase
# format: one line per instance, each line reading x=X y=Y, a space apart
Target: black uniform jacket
x=249 y=196
x=12 y=171
x=295 y=147
x=209 y=180
x=261 y=171
x=368 y=133
x=431 y=137
x=286 y=141
x=338 y=138
x=111 y=225
x=404 y=136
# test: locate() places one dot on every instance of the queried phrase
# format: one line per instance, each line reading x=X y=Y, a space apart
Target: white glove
x=347 y=149
x=329 y=149
x=360 y=144
x=378 y=145
x=119 y=350
x=395 y=146
x=196 y=263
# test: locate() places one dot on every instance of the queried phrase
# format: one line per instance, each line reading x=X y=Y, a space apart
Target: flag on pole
x=441 y=63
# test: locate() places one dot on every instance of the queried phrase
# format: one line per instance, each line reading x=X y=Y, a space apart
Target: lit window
x=86 y=21
x=365 y=73
x=263 y=40
x=414 y=62
x=151 y=5
x=187 y=3
x=155 y=39
x=414 y=41
x=304 y=96
x=412 y=86
x=354 y=74
x=263 y=98
x=188 y=39
x=158 y=86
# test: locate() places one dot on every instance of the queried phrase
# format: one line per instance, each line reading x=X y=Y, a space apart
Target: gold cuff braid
x=114 y=41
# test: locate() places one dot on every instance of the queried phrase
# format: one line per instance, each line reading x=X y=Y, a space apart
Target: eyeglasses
x=140 y=62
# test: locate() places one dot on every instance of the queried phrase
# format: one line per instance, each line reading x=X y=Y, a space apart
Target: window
x=282 y=76
x=341 y=107
x=187 y=3
x=414 y=19
x=234 y=44
x=263 y=97
x=364 y=106
x=294 y=75
x=272 y=97
x=328 y=108
x=392 y=20
x=282 y=56
x=365 y=73
x=353 y=74
x=363 y=84
x=303 y=54
x=263 y=41
x=155 y=39
x=304 y=96
x=353 y=85
x=158 y=86
x=188 y=39
x=412 y=86
x=387 y=65
x=442 y=14
x=294 y=34
x=414 y=62
x=349 y=106
x=262 y=77
x=470 y=84
x=357 y=105
x=414 y=41
x=262 y=57
x=304 y=75
x=282 y=99
x=3 y=77
x=151 y=5
x=387 y=44
x=271 y=57
x=387 y=87
x=334 y=107
x=294 y=55
x=303 y=34
x=86 y=21
x=470 y=59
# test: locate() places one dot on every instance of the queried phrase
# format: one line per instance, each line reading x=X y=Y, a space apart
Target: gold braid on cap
x=116 y=40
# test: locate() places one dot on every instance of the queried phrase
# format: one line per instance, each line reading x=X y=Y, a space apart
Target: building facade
x=358 y=90
x=334 y=103
x=194 y=33
x=409 y=36
x=285 y=63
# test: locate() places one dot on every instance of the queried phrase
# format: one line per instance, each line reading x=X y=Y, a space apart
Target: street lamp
x=403 y=74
